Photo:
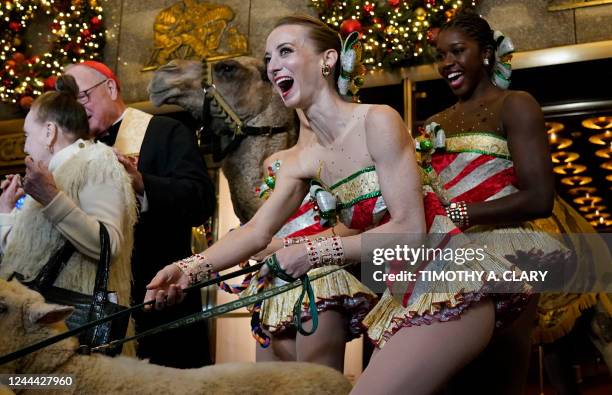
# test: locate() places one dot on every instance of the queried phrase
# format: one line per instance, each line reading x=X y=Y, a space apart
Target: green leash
x=278 y=271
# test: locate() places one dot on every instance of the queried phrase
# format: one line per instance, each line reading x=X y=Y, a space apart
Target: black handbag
x=87 y=308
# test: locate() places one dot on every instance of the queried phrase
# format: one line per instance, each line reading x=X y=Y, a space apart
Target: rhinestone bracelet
x=325 y=251
x=457 y=212
x=197 y=267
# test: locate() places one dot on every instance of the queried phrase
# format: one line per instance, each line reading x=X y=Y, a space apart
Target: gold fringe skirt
x=339 y=291
x=445 y=300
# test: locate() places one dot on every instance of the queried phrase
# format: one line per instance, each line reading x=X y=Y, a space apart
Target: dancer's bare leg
x=326 y=346
x=502 y=367
x=282 y=348
x=420 y=359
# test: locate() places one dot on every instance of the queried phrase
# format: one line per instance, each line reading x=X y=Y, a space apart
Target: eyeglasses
x=83 y=96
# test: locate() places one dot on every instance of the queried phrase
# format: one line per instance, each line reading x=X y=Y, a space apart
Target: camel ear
x=47 y=313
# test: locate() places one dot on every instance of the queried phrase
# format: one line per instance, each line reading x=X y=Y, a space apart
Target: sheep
x=26 y=318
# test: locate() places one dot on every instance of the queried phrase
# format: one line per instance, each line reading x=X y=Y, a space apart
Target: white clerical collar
x=67 y=152
x=121 y=117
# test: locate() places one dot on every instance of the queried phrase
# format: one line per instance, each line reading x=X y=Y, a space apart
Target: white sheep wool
x=33 y=238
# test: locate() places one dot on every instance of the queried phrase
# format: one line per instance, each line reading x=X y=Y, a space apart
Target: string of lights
x=394 y=33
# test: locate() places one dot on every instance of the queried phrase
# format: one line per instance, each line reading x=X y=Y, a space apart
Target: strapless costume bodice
x=360 y=204
x=475 y=167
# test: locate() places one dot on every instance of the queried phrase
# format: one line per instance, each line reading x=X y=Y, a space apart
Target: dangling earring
x=50 y=149
x=325 y=70
x=485 y=61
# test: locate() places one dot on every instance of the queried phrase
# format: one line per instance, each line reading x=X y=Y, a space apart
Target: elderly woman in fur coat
x=72 y=184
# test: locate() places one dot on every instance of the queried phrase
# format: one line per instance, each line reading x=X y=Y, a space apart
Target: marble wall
x=528 y=22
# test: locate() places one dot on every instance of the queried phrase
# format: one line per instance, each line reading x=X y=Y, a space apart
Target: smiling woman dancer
x=365 y=155
x=342 y=301
x=495 y=166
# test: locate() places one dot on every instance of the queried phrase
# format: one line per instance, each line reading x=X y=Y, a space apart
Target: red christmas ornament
x=431 y=2
x=85 y=33
x=15 y=26
x=11 y=64
x=368 y=7
x=349 y=26
x=432 y=35
x=49 y=83
x=95 y=21
x=26 y=101
x=18 y=57
x=394 y=3
x=55 y=26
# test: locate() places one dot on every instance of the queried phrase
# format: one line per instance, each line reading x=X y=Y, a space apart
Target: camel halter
x=219 y=108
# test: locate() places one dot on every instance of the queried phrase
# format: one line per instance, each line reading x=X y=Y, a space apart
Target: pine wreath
x=394 y=33
x=76 y=33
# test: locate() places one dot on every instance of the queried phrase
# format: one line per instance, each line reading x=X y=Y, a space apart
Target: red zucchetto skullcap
x=100 y=68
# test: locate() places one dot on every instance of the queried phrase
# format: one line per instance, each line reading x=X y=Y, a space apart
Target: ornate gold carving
x=11 y=149
x=193 y=30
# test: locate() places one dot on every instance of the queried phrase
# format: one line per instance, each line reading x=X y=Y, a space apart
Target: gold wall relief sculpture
x=11 y=152
x=195 y=30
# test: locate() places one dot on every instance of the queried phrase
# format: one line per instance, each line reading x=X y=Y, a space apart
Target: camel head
x=241 y=81
x=244 y=86
x=178 y=82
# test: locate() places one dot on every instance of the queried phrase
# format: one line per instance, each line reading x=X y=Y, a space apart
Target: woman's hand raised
x=39 y=182
x=11 y=192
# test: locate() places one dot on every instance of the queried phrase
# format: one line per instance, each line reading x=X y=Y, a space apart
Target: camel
x=243 y=83
x=25 y=318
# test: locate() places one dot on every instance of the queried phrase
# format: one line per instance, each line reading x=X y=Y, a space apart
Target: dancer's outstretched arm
x=239 y=244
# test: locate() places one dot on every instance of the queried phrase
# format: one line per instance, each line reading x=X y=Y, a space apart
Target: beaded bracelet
x=457 y=212
x=197 y=267
x=289 y=241
x=325 y=251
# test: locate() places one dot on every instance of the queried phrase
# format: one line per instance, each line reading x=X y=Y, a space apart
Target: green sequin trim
x=352 y=176
x=477 y=151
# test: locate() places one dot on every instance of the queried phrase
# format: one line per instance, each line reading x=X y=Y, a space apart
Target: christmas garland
x=76 y=34
x=394 y=33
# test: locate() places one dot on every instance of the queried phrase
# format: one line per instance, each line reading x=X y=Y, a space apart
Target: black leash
x=227 y=307
x=54 y=339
